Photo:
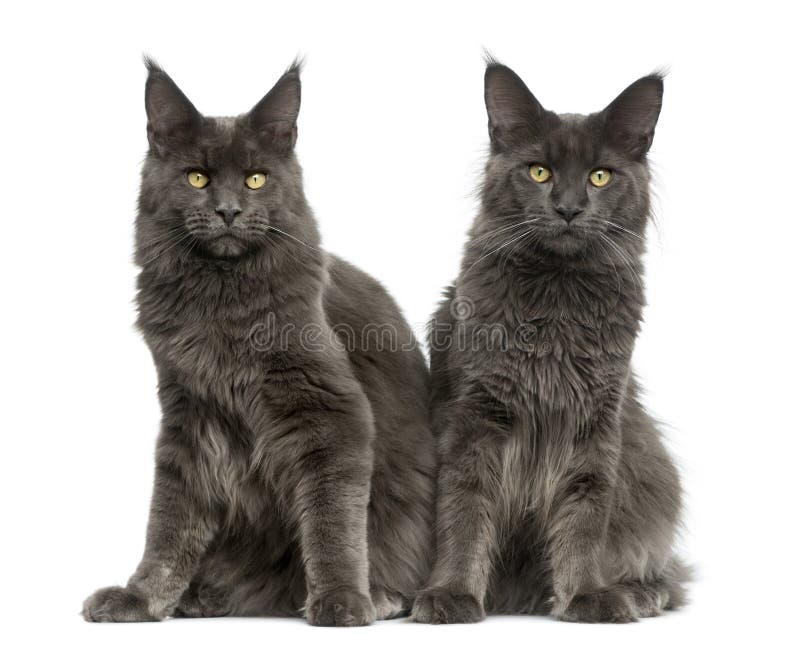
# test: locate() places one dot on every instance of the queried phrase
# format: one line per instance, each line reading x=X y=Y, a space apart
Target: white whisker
x=172 y=244
x=289 y=235
x=486 y=255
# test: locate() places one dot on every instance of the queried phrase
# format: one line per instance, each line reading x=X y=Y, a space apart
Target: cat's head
x=220 y=188
x=573 y=184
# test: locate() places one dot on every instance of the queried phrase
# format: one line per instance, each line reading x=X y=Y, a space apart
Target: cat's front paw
x=117 y=604
x=440 y=606
x=602 y=606
x=340 y=607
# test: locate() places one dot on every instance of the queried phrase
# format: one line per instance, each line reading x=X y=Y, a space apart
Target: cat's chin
x=226 y=248
x=566 y=243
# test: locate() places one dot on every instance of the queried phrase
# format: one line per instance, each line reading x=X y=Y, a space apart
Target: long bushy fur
x=295 y=464
x=555 y=491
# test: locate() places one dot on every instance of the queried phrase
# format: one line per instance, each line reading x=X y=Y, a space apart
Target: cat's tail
x=663 y=591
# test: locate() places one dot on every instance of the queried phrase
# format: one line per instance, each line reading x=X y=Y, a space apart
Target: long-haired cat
x=555 y=491
x=295 y=464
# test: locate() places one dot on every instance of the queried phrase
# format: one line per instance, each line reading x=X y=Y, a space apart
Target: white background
x=392 y=138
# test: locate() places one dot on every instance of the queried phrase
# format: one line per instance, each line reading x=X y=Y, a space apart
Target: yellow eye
x=539 y=173
x=197 y=179
x=255 y=181
x=599 y=177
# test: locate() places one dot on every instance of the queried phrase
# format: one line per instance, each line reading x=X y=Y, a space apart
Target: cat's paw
x=440 y=606
x=603 y=606
x=117 y=604
x=340 y=607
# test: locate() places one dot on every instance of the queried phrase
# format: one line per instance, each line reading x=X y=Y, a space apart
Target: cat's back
x=380 y=344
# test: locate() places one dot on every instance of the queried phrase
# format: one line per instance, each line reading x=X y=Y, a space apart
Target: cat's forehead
x=574 y=139
x=226 y=142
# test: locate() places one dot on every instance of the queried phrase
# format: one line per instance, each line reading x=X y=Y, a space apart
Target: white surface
x=392 y=137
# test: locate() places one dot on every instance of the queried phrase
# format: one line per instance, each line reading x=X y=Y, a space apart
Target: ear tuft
x=514 y=113
x=630 y=119
x=171 y=117
x=151 y=64
x=274 y=117
x=297 y=65
x=489 y=58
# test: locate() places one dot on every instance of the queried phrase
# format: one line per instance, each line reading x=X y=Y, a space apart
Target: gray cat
x=556 y=494
x=292 y=445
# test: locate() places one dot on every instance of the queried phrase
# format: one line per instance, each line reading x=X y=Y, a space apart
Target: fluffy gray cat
x=555 y=491
x=295 y=463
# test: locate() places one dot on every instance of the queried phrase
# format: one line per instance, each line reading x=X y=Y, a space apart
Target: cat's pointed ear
x=274 y=117
x=514 y=113
x=171 y=117
x=630 y=119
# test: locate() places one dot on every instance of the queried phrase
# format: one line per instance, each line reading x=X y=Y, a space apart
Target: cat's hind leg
x=642 y=577
x=389 y=604
x=632 y=599
x=665 y=591
x=202 y=599
x=240 y=577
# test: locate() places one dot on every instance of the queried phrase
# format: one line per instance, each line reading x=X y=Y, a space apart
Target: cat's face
x=570 y=183
x=218 y=187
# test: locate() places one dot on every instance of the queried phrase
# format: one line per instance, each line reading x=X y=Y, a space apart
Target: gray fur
x=280 y=466
x=556 y=494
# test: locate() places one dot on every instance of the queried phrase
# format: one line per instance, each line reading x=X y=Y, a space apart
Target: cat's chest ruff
x=202 y=345
x=558 y=362
x=215 y=360
x=234 y=466
x=212 y=350
x=568 y=339
x=232 y=437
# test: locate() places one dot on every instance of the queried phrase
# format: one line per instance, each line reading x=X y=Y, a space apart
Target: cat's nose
x=569 y=213
x=228 y=213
